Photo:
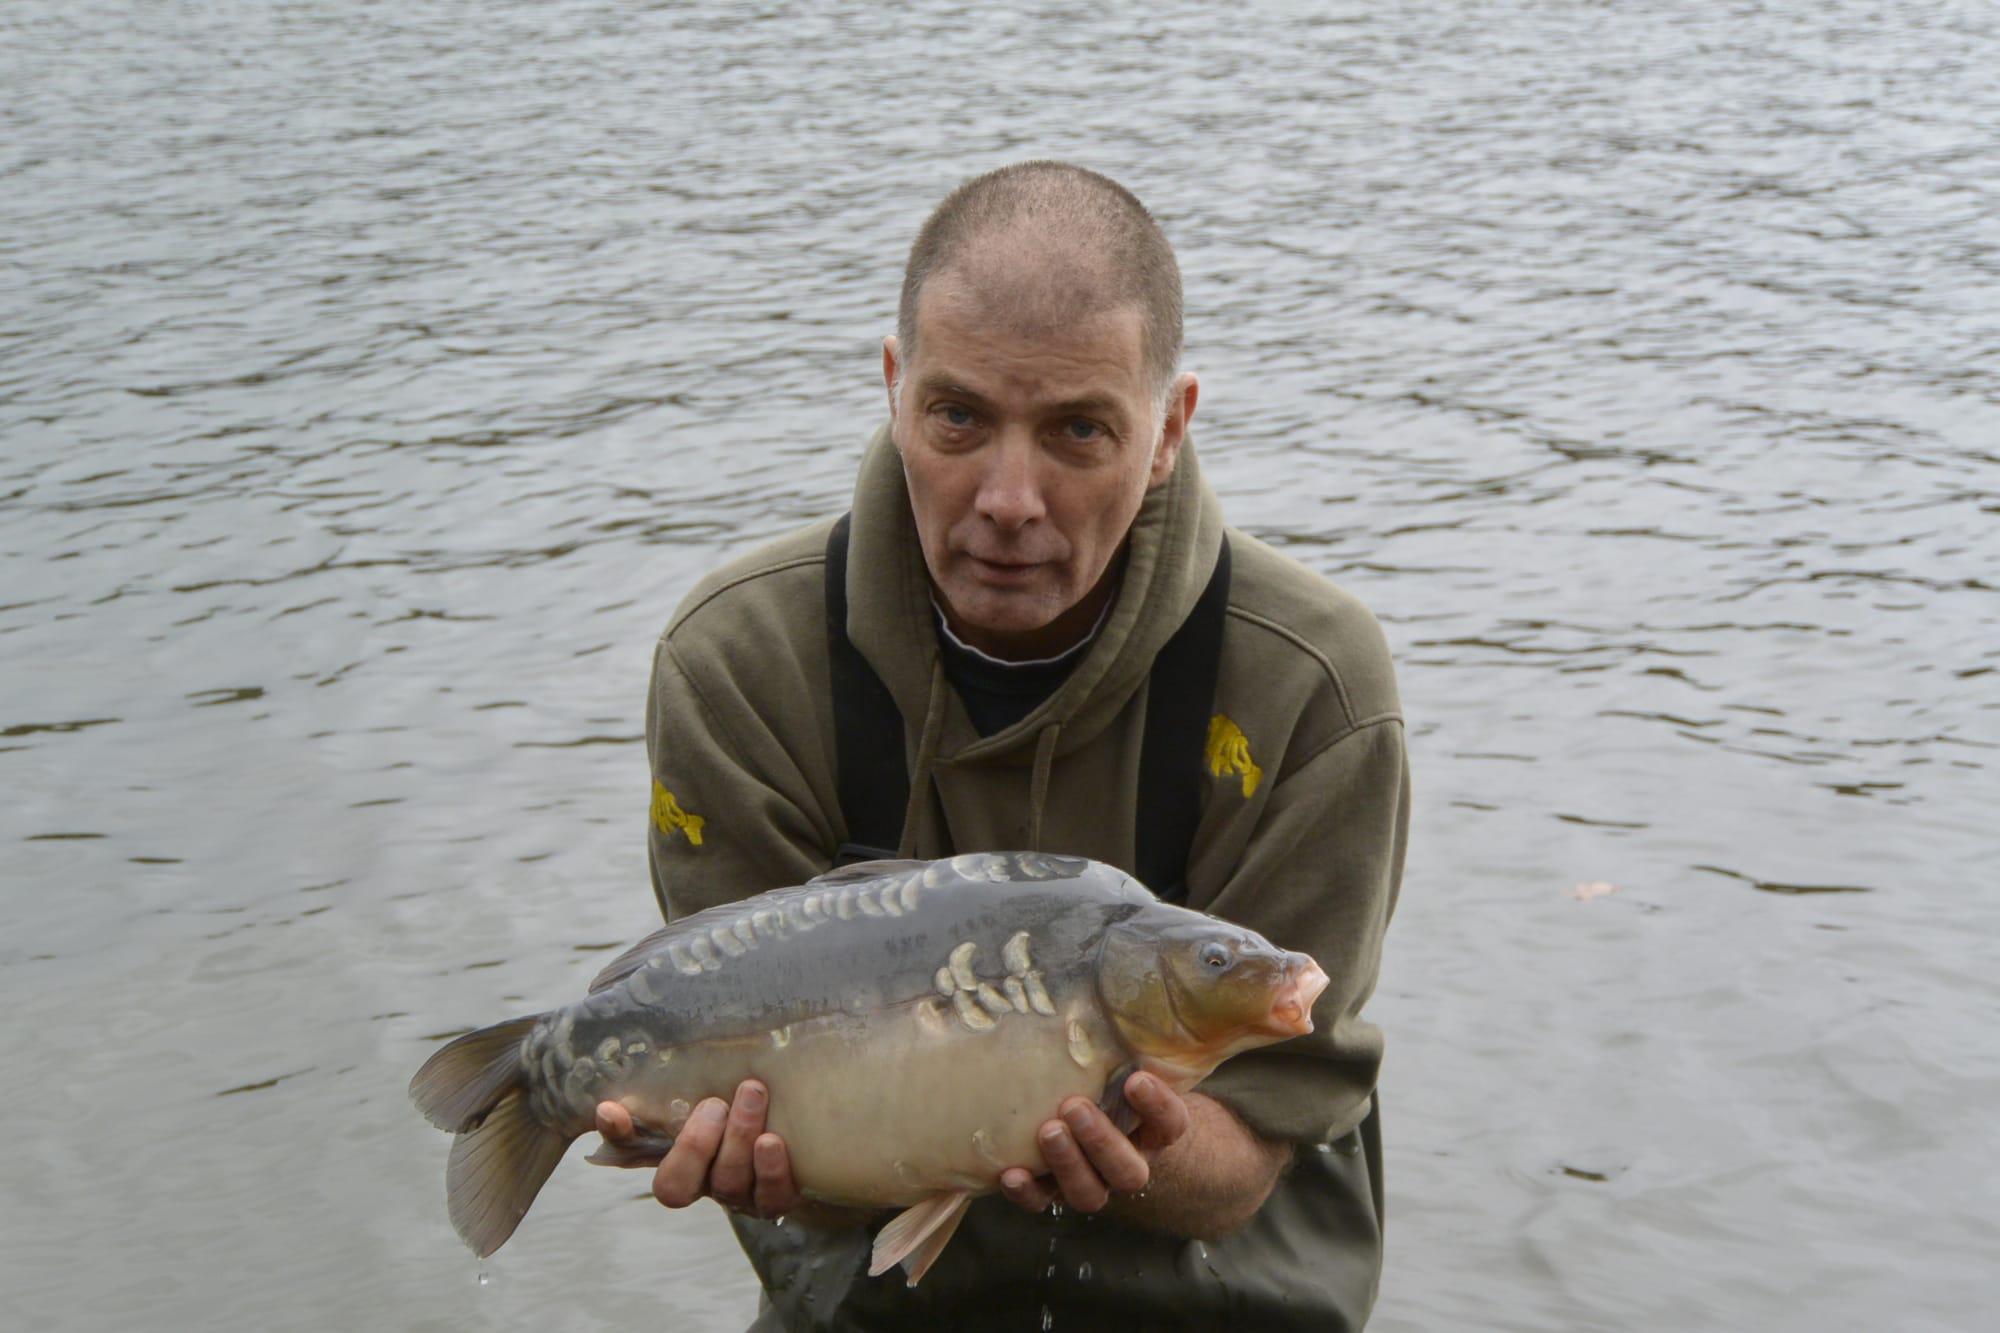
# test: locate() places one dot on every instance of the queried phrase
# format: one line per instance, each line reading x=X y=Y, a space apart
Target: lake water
x=375 y=378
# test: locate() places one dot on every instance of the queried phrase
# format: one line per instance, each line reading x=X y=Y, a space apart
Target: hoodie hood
x=1171 y=551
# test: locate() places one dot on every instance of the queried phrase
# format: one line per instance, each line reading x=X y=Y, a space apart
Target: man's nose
x=1010 y=490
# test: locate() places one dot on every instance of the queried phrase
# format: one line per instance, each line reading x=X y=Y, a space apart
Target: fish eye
x=1215 y=956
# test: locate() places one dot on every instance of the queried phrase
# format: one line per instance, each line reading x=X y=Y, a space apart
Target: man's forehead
x=1017 y=316
x=1029 y=279
x=1087 y=365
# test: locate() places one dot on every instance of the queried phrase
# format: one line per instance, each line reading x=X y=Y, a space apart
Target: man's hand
x=1203 y=1171
x=1089 y=1159
x=722 y=1152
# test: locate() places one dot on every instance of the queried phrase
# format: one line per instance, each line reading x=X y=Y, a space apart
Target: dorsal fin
x=634 y=958
x=860 y=870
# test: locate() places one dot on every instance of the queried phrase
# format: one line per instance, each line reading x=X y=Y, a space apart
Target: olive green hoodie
x=1301 y=837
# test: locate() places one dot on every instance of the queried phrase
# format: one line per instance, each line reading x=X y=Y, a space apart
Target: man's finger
x=1024 y=1190
x=614 y=1122
x=775 y=1193
x=683 y=1174
x=1163 y=1113
x=732 y=1179
x=627 y=1143
x=1076 y=1180
x=1115 y=1158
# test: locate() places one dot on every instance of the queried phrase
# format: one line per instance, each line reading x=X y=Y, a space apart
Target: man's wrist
x=1209 y=1182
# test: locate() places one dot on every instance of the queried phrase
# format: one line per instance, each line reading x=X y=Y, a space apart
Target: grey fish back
x=859 y=938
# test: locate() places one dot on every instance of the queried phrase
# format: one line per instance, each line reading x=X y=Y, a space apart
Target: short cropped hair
x=1094 y=216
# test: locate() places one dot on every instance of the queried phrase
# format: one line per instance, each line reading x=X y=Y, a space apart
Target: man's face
x=1028 y=452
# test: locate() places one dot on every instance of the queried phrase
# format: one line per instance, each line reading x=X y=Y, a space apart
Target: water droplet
x=482 y=1275
x=1056 y=1209
x=1083 y=1273
x=1050 y=1271
x=1048 y=1319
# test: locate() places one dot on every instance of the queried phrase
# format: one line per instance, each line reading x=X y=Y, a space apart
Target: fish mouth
x=1291 y=1010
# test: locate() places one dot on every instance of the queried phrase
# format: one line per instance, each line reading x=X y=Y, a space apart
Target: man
x=1028 y=535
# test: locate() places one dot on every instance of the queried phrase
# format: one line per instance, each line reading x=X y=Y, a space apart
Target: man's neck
x=1075 y=649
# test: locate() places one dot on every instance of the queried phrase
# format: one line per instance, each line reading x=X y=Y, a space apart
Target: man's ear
x=889 y=372
x=1174 y=428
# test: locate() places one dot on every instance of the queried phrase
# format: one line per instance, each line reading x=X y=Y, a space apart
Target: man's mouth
x=1002 y=571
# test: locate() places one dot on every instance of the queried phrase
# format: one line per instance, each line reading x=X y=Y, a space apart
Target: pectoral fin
x=1113 y=1102
x=916 y=1236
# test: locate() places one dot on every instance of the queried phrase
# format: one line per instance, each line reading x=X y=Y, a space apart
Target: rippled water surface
x=375 y=378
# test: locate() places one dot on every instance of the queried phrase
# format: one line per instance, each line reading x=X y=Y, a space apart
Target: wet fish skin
x=915 y=1021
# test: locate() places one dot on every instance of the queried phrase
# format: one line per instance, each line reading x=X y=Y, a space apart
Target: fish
x=915 y=1021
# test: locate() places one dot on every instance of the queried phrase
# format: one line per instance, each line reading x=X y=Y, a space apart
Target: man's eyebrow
x=936 y=383
x=1090 y=404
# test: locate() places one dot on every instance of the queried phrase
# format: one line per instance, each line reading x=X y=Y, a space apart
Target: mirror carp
x=915 y=1021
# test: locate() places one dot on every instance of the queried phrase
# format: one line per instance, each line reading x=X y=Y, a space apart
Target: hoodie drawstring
x=1038 y=783
x=920 y=772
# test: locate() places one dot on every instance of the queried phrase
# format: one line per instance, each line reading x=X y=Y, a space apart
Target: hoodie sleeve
x=1319 y=871
x=736 y=805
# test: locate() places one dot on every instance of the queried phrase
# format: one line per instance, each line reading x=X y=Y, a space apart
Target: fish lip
x=1291 y=1011
x=1312 y=980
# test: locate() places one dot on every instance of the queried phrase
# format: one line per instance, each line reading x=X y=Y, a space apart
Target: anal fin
x=916 y=1236
x=645 y=1148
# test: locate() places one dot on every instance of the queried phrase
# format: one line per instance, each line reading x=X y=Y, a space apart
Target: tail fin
x=503 y=1153
x=496 y=1170
x=462 y=1082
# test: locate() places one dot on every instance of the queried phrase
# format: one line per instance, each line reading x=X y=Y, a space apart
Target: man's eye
x=955 y=416
x=1082 y=431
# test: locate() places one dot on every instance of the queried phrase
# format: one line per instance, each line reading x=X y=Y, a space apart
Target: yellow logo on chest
x=1229 y=752
x=669 y=818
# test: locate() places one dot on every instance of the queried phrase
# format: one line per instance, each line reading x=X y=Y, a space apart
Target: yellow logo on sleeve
x=668 y=817
x=1229 y=752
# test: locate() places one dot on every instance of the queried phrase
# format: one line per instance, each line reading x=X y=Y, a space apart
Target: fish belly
x=887 y=1108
